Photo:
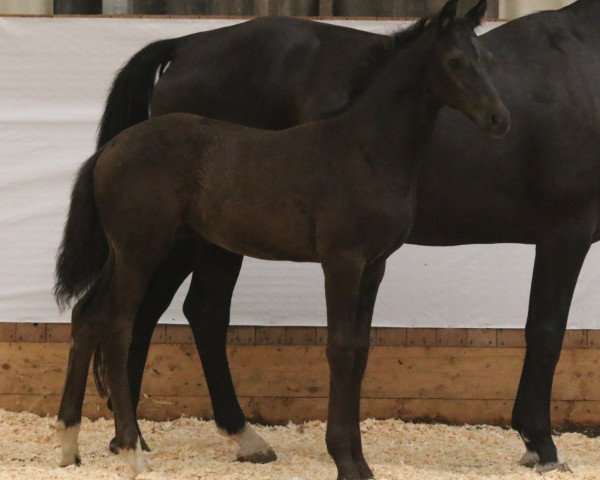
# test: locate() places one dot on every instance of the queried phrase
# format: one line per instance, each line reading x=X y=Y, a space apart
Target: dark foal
x=306 y=70
x=345 y=197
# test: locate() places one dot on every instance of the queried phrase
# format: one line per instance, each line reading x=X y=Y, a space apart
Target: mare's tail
x=129 y=97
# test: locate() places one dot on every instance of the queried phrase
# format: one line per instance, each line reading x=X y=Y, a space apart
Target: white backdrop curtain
x=53 y=82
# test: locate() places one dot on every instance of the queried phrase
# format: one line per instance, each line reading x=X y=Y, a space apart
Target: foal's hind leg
x=207 y=308
x=169 y=276
x=130 y=277
x=368 y=293
x=559 y=257
x=80 y=354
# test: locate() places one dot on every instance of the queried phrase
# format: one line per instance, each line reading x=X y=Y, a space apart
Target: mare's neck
x=396 y=114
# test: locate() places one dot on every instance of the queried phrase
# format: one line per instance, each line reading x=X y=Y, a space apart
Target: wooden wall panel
x=460 y=375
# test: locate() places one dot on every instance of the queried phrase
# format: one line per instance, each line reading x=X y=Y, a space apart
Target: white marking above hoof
x=67 y=437
x=135 y=459
x=253 y=448
x=529 y=459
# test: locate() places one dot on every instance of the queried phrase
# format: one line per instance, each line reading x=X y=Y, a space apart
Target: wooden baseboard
x=278 y=383
x=400 y=337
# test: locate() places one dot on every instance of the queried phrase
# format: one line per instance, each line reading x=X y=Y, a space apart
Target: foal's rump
x=143 y=180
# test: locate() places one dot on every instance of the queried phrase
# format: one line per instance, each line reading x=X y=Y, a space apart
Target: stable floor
x=191 y=449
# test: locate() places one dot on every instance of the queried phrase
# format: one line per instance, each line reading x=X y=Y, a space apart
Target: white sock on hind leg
x=68 y=437
x=135 y=459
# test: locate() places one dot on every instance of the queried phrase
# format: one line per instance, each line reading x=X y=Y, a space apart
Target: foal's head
x=458 y=74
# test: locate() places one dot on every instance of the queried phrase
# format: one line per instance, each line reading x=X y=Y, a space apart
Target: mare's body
x=539 y=185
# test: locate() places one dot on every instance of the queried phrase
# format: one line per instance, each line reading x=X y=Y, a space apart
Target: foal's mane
x=382 y=52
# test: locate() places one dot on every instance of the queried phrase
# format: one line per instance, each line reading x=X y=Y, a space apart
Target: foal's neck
x=397 y=112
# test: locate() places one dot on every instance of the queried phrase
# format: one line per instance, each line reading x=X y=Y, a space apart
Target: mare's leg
x=169 y=276
x=368 y=293
x=343 y=274
x=207 y=308
x=559 y=256
x=82 y=348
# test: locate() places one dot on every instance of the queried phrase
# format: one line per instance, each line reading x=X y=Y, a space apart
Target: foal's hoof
x=112 y=446
x=262 y=456
x=74 y=460
x=136 y=460
x=114 y=449
x=552 y=467
x=144 y=445
x=529 y=459
x=141 y=467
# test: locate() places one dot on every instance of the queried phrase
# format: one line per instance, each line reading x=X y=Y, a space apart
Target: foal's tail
x=129 y=97
x=84 y=248
x=83 y=254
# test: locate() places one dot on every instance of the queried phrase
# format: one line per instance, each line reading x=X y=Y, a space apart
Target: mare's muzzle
x=495 y=123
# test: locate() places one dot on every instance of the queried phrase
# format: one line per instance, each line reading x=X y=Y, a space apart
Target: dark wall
x=82 y=7
x=367 y=8
x=226 y=7
x=401 y=8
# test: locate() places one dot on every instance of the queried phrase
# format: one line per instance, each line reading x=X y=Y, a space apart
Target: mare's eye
x=455 y=63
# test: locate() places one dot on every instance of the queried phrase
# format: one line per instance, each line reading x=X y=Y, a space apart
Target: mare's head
x=458 y=72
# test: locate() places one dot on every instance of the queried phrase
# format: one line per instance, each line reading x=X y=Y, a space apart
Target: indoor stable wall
x=281 y=374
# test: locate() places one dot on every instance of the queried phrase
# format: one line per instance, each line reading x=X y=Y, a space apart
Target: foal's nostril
x=494 y=120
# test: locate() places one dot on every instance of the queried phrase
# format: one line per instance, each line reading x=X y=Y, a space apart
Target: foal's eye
x=455 y=63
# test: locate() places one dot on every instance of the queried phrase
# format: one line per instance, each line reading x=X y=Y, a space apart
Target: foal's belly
x=267 y=231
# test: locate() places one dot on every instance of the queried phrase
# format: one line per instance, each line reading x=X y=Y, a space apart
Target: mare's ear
x=474 y=16
x=447 y=14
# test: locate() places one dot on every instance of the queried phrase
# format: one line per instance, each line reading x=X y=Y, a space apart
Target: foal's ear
x=447 y=14
x=474 y=16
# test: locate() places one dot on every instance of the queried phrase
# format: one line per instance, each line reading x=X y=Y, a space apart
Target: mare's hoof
x=529 y=459
x=76 y=460
x=262 y=456
x=552 y=467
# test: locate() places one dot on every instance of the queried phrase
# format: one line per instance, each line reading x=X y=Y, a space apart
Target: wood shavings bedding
x=190 y=449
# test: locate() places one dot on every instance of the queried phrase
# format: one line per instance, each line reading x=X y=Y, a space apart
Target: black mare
x=538 y=185
x=345 y=198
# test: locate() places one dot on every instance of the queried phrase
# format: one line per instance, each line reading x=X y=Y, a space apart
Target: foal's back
x=231 y=183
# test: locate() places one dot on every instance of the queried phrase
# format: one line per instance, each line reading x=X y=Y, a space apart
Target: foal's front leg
x=368 y=293
x=343 y=276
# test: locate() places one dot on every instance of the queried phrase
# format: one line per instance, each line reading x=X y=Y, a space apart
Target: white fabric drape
x=53 y=82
